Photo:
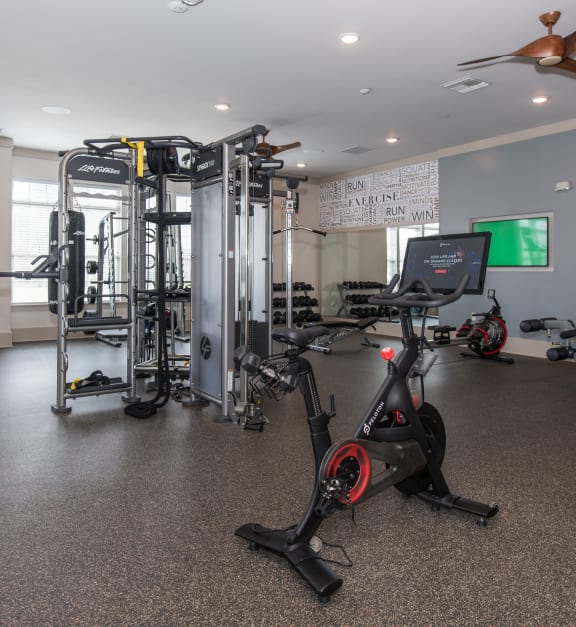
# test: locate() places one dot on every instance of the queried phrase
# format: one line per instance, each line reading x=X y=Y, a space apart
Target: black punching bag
x=76 y=256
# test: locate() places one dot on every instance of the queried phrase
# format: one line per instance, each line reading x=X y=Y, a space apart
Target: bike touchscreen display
x=442 y=261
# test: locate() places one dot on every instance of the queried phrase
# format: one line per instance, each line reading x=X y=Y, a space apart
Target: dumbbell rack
x=304 y=299
x=354 y=296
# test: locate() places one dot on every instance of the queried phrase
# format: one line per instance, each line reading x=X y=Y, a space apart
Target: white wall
x=5 y=238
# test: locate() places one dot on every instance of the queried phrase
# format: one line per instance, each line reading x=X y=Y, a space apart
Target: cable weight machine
x=231 y=271
x=291 y=225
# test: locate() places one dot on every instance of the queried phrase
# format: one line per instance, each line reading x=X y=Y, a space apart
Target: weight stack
x=76 y=257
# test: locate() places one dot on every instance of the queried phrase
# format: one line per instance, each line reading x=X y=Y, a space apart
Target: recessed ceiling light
x=177 y=7
x=222 y=106
x=301 y=164
x=365 y=91
x=540 y=99
x=392 y=140
x=56 y=110
x=349 y=38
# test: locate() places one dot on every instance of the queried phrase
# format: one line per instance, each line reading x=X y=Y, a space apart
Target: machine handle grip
x=534 y=324
x=567 y=333
x=406 y=297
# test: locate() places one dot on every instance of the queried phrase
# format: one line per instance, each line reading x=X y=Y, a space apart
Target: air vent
x=356 y=150
x=465 y=85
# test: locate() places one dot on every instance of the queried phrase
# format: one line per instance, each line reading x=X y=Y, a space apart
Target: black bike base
x=504 y=360
x=301 y=555
x=451 y=501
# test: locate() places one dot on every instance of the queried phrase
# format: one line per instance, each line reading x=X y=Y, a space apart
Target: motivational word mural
x=404 y=195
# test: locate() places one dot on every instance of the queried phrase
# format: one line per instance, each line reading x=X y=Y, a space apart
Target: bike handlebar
x=406 y=296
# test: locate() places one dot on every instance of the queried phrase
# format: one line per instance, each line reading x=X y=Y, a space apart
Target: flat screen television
x=442 y=261
x=517 y=242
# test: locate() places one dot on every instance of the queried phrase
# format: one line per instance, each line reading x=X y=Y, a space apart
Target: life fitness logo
x=205 y=347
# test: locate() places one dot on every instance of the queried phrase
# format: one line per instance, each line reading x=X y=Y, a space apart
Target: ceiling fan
x=264 y=149
x=549 y=51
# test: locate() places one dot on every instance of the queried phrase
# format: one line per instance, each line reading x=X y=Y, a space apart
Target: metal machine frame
x=112 y=164
x=225 y=256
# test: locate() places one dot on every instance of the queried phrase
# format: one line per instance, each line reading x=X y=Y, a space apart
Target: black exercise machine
x=562 y=333
x=485 y=334
x=401 y=439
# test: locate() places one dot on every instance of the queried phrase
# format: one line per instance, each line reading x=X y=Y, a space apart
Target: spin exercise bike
x=401 y=439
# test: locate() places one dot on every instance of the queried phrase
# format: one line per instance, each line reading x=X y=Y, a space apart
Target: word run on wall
x=405 y=195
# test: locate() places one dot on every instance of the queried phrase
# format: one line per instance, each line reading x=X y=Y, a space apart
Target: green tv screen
x=517 y=242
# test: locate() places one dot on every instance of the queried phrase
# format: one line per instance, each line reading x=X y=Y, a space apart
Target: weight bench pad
x=361 y=323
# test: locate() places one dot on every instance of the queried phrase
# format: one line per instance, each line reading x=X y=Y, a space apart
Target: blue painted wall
x=513 y=179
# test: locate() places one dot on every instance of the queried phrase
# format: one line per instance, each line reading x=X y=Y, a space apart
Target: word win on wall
x=405 y=195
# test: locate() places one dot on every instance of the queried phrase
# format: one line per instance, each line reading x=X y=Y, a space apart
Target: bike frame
x=405 y=449
x=393 y=395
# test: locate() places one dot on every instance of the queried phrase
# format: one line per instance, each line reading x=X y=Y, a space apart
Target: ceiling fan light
x=392 y=140
x=222 y=106
x=540 y=99
x=548 y=61
x=191 y=3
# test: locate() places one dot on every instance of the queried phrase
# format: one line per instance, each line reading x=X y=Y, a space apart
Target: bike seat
x=298 y=337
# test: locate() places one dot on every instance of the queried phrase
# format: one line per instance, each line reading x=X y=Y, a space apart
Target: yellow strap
x=139 y=146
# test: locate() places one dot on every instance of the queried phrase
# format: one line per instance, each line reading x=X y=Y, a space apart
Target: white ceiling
x=134 y=68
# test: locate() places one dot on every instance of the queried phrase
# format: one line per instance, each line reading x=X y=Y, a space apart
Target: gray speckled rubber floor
x=110 y=520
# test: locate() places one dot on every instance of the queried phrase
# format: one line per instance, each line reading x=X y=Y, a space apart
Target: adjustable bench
x=338 y=329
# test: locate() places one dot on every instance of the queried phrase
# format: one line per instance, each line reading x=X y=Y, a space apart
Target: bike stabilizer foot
x=451 y=501
x=309 y=565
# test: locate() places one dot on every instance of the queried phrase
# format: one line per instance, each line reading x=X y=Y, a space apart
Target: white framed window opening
x=396 y=241
x=32 y=203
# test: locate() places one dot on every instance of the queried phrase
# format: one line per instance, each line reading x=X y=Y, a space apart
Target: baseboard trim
x=33 y=334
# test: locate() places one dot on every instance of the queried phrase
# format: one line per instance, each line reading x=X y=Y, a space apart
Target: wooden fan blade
x=570 y=44
x=567 y=64
x=548 y=46
x=484 y=59
x=268 y=150
x=284 y=147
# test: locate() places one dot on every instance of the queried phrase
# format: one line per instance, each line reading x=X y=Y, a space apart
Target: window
x=32 y=203
x=100 y=205
x=396 y=240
